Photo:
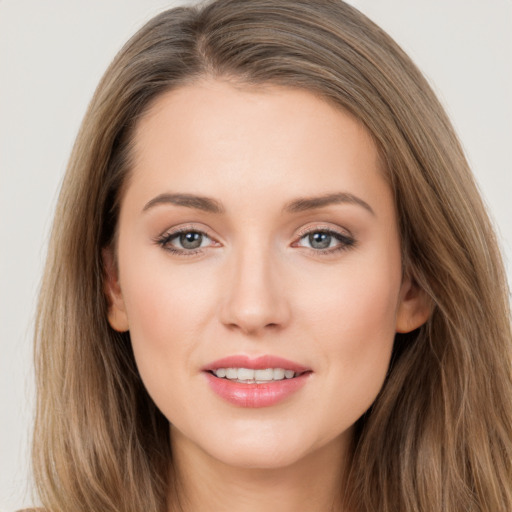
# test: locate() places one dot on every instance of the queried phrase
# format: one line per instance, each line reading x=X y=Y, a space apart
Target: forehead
x=227 y=104
x=212 y=133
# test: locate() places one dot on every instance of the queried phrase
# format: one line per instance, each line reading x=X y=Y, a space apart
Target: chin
x=260 y=447
x=256 y=457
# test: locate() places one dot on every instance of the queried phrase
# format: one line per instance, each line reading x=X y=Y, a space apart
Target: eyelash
x=165 y=240
x=345 y=241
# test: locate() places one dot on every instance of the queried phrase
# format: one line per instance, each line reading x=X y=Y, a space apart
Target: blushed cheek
x=167 y=307
x=155 y=336
x=354 y=319
x=366 y=344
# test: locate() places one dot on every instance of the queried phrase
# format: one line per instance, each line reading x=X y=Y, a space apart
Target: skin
x=258 y=285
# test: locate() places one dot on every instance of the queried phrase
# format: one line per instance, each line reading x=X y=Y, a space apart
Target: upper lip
x=257 y=363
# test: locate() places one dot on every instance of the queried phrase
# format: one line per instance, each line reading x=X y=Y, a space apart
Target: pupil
x=191 y=240
x=320 y=240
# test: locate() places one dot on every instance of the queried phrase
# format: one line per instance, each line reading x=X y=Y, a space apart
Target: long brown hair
x=439 y=436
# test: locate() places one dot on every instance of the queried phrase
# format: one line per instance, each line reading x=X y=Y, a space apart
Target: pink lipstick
x=259 y=382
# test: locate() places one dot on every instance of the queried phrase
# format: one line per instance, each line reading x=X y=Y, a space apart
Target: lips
x=280 y=378
x=258 y=363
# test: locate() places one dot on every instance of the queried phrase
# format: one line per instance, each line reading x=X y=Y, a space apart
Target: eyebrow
x=206 y=204
x=302 y=204
x=312 y=203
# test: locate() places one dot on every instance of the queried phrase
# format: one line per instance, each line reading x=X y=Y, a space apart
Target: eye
x=190 y=240
x=184 y=241
x=325 y=241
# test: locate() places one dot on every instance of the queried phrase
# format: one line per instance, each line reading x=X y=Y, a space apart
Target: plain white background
x=53 y=53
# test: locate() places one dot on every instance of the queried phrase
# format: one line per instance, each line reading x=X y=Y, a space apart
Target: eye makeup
x=189 y=241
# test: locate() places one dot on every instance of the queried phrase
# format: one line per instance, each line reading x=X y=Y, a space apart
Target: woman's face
x=258 y=231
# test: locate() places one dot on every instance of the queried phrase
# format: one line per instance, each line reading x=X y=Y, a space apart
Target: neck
x=204 y=484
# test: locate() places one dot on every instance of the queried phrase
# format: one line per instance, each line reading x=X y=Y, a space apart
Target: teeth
x=267 y=374
x=231 y=373
x=249 y=375
x=279 y=373
x=245 y=374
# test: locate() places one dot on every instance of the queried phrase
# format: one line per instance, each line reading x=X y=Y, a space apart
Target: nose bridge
x=254 y=296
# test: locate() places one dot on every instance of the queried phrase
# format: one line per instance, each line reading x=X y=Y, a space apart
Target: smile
x=260 y=382
x=252 y=376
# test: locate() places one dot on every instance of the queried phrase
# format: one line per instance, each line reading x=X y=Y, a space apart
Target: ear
x=414 y=308
x=117 y=317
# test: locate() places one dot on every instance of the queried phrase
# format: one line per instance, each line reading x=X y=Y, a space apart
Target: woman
x=271 y=277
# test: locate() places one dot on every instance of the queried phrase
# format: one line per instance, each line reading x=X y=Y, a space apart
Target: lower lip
x=256 y=395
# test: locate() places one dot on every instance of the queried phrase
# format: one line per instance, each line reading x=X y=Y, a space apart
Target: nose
x=254 y=299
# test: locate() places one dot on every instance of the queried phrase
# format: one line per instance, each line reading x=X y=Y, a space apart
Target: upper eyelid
x=185 y=228
x=170 y=236
x=324 y=228
x=301 y=232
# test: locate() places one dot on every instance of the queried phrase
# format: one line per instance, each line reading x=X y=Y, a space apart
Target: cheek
x=352 y=322
x=166 y=306
x=356 y=303
x=359 y=328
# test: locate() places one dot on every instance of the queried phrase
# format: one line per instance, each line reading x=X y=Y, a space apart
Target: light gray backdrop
x=52 y=55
